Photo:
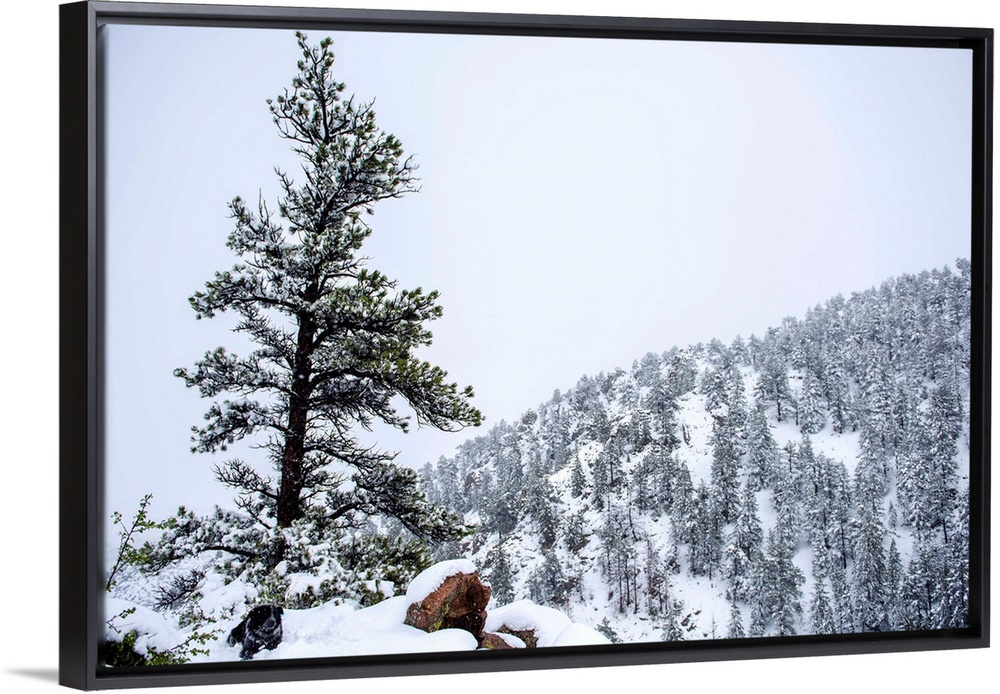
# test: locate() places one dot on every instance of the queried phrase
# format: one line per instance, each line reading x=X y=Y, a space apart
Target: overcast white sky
x=583 y=202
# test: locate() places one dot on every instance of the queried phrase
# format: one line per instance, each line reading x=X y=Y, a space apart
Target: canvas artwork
x=437 y=342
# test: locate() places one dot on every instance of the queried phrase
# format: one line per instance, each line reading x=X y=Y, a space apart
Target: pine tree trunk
x=289 y=507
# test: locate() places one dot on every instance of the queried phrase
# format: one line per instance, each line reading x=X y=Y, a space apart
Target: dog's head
x=261 y=628
x=265 y=619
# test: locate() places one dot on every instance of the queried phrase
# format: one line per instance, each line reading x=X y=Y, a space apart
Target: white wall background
x=28 y=645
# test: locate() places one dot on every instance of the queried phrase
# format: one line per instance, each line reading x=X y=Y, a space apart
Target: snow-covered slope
x=810 y=480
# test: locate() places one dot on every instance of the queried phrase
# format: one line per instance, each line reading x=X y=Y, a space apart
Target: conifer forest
x=811 y=480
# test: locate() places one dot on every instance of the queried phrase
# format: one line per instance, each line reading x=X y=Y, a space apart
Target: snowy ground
x=346 y=629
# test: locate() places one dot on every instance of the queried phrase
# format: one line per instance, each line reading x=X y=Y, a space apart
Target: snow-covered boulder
x=538 y=626
x=500 y=642
x=580 y=635
x=448 y=595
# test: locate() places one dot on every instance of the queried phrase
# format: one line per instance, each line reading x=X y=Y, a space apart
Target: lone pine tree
x=335 y=341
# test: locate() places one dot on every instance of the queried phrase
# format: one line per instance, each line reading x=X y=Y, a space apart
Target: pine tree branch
x=231 y=550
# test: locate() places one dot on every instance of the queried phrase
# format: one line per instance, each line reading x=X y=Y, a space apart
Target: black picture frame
x=82 y=361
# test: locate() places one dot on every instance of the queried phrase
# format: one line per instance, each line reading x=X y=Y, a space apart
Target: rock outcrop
x=458 y=603
x=493 y=642
x=526 y=635
x=450 y=595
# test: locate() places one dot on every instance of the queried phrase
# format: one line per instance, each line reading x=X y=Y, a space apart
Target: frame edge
x=78 y=365
x=77 y=343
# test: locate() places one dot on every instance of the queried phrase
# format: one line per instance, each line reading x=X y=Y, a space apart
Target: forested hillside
x=810 y=480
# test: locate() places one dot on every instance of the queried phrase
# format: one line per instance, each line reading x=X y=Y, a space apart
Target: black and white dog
x=261 y=628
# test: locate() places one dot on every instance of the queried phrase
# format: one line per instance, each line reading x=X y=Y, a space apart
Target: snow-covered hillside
x=812 y=480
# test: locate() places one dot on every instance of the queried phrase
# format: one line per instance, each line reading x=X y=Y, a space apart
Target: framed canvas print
x=425 y=342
